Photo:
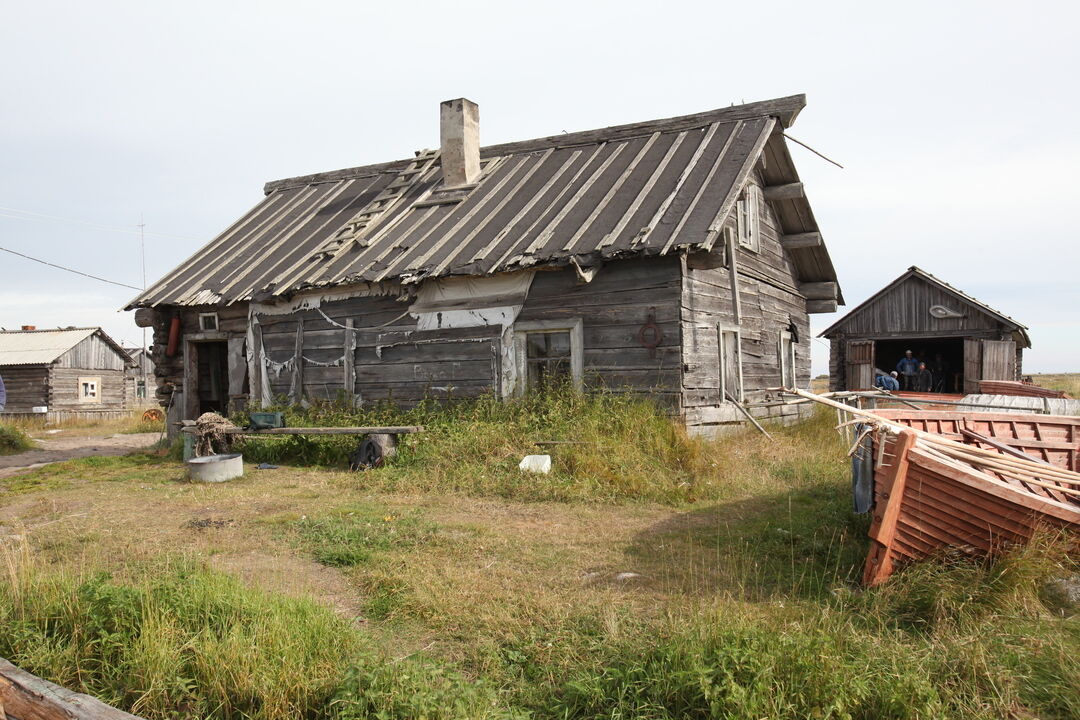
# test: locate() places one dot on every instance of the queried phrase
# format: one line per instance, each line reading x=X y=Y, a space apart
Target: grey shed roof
x=918 y=272
x=648 y=188
x=42 y=347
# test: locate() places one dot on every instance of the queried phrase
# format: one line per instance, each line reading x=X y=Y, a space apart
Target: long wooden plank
x=390 y=430
x=27 y=697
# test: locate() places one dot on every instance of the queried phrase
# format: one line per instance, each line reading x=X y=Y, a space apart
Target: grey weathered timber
x=49 y=368
x=819 y=290
x=820 y=306
x=801 y=240
x=620 y=247
x=788 y=191
x=921 y=309
x=24 y=696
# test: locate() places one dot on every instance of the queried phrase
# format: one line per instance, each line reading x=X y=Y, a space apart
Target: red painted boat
x=978 y=482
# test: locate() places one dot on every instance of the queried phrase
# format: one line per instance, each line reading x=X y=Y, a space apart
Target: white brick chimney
x=459 y=136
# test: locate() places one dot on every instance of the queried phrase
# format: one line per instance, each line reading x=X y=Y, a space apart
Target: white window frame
x=787 y=359
x=577 y=344
x=94 y=384
x=748 y=218
x=721 y=329
x=212 y=326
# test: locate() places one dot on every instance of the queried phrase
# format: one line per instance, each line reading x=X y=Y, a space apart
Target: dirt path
x=57 y=449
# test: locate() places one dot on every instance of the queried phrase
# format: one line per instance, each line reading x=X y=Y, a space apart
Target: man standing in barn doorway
x=908 y=367
x=924 y=381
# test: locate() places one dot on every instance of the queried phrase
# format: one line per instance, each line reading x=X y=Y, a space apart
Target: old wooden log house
x=963 y=340
x=61 y=374
x=676 y=257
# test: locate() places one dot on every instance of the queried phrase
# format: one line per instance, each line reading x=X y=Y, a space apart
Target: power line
x=17 y=214
x=67 y=269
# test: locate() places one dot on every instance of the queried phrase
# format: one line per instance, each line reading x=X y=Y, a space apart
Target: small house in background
x=675 y=258
x=938 y=323
x=63 y=374
x=139 y=382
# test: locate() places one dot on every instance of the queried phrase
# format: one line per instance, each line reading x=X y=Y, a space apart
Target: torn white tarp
x=458 y=302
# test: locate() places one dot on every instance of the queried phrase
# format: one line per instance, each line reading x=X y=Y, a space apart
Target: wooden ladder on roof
x=352 y=232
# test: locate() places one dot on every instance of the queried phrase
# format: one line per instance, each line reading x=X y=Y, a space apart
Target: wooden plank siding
x=901 y=311
x=393 y=360
x=769 y=302
x=27 y=387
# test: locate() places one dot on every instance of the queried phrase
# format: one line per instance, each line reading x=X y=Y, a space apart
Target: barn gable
x=961 y=339
x=918 y=303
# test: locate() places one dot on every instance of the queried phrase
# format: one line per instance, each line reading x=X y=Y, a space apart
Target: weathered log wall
x=769 y=304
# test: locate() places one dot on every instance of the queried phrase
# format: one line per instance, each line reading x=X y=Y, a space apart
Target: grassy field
x=133 y=423
x=1069 y=382
x=651 y=575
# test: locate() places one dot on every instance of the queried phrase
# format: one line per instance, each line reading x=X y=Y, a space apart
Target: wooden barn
x=139 y=382
x=962 y=339
x=63 y=374
x=678 y=258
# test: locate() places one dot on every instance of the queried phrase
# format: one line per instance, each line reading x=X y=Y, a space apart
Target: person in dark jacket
x=924 y=380
x=908 y=367
x=3 y=394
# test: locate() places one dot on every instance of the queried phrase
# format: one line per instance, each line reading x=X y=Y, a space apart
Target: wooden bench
x=378 y=445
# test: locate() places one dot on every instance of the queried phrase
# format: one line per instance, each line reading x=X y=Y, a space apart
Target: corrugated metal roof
x=39 y=347
x=643 y=189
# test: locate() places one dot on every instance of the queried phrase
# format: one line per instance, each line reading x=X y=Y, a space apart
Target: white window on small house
x=730 y=363
x=208 y=322
x=140 y=389
x=89 y=390
x=786 y=352
x=548 y=354
x=748 y=218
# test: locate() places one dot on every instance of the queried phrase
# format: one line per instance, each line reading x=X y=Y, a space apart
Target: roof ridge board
x=786 y=109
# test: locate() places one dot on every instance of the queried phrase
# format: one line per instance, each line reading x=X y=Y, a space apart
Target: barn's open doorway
x=943 y=356
x=213 y=378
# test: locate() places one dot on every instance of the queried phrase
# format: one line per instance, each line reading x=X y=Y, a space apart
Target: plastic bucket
x=216 y=468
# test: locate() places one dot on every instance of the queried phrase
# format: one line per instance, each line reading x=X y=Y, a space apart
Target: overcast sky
x=954 y=122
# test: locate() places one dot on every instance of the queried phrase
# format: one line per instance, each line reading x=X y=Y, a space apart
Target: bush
x=13 y=440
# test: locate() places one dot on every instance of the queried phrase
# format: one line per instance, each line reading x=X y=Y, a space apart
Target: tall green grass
x=180 y=640
x=13 y=440
x=621 y=447
x=947 y=638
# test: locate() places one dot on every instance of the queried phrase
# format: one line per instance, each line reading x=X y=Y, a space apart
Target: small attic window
x=208 y=322
x=748 y=218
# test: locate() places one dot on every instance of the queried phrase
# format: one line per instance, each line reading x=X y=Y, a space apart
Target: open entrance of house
x=944 y=357
x=212 y=381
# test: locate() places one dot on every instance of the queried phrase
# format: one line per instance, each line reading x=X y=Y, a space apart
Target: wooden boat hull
x=923 y=505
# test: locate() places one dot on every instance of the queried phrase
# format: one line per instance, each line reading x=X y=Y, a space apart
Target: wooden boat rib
x=24 y=696
x=972 y=481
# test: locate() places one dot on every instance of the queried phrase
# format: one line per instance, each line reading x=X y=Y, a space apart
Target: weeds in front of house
x=607 y=447
x=13 y=440
x=178 y=639
x=744 y=604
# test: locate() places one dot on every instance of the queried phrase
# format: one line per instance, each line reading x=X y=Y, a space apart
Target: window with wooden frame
x=729 y=340
x=548 y=353
x=748 y=218
x=208 y=322
x=89 y=390
x=785 y=350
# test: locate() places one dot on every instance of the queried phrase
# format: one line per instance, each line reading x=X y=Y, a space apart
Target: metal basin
x=216 y=468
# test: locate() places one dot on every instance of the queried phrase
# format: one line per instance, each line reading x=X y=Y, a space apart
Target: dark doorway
x=944 y=357
x=213 y=380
